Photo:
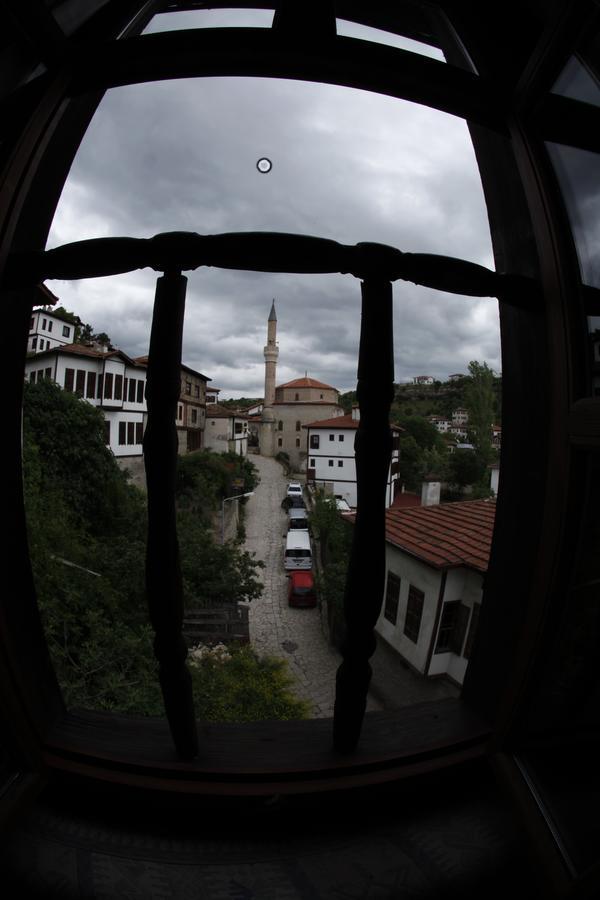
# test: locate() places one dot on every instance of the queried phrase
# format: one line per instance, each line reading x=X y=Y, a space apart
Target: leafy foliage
x=244 y=688
x=334 y=537
x=204 y=478
x=86 y=532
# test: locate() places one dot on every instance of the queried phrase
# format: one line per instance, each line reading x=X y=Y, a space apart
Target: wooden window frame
x=414 y=613
x=531 y=560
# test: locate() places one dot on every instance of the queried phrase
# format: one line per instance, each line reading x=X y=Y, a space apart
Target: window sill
x=264 y=758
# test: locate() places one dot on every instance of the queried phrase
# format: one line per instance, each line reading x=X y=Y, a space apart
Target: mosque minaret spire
x=271 y=353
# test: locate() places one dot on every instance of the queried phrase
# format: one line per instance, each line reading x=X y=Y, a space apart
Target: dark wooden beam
x=365 y=579
x=259 y=52
x=266 y=252
x=164 y=589
x=563 y=120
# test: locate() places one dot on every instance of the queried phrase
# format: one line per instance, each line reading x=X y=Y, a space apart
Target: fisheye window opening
x=268 y=386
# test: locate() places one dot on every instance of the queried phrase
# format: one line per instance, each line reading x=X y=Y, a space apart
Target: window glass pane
x=392 y=596
x=576 y=82
x=578 y=172
x=210 y=18
x=379 y=36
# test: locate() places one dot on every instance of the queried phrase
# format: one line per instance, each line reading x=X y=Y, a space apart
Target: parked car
x=294 y=489
x=301 y=589
x=298 y=519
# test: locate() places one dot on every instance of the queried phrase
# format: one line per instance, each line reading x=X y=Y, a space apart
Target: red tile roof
x=447 y=535
x=342 y=422
x=306 y=383
x=336 y=422
x=82 y=350
x=215 y=411
x=406 y=498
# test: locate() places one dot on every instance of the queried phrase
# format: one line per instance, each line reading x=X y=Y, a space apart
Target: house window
x=34 y=343
x=414 y=612
x=80 y=382
x=69 y=379
x=238 y=428
x=66 y=332
x=280 y=442
x=47 y=373
x=340 y=463
x=44 y=323
x=297 y=442
x=196 y=390
x=108 y=386
x=188 y=388
x=392 y=596
x=106 y=432
x=331 y=462
x=118 y=387
x=332 y=437
x=453 y=627
x=314 y=442
x=298 y=425
x=132 y=384
x=472 y=631
x=139 y=432
x=340 y=437
x=131 y=432
x=297 y=397
x=280 y=425
x=195 y=417
x=312 y=463
x=50 y=324
x=180 y=412
x=122 y=433
x=140 y=391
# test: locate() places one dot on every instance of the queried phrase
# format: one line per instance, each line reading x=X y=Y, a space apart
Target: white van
x=298 y=554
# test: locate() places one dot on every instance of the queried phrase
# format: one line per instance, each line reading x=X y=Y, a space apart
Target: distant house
x=443 y=425
x=436 y=559
x=108 y=379
x=191 y=408
x=48 y=330
x=456 y=377
x=423 y=379
x=331 y=462
x=212 y=394
x=226 y=430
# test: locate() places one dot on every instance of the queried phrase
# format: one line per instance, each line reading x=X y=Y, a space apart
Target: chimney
x=430 y=492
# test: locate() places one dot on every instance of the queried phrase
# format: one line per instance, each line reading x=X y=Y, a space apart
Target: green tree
x=480 y=401
x=334 y=536
x=86 y=529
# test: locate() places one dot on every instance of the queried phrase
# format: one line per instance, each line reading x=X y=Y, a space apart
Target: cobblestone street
x=276 y=628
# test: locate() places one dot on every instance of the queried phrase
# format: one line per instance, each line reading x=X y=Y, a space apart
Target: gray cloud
x=347 y=165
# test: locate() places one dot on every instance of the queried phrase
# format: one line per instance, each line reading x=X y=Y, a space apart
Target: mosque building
x=288 y=407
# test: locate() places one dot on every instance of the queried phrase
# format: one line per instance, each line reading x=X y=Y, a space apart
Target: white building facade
x=331 y=463
x=112 y=381
x=436 y=559
x=225 y=430
x=47 y=331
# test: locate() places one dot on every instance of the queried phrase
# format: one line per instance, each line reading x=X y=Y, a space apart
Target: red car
x=301 y=588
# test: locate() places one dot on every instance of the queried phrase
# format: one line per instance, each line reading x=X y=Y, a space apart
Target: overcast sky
x=347 y=165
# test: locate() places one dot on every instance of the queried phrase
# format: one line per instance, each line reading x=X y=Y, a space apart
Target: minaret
x=271 y=352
